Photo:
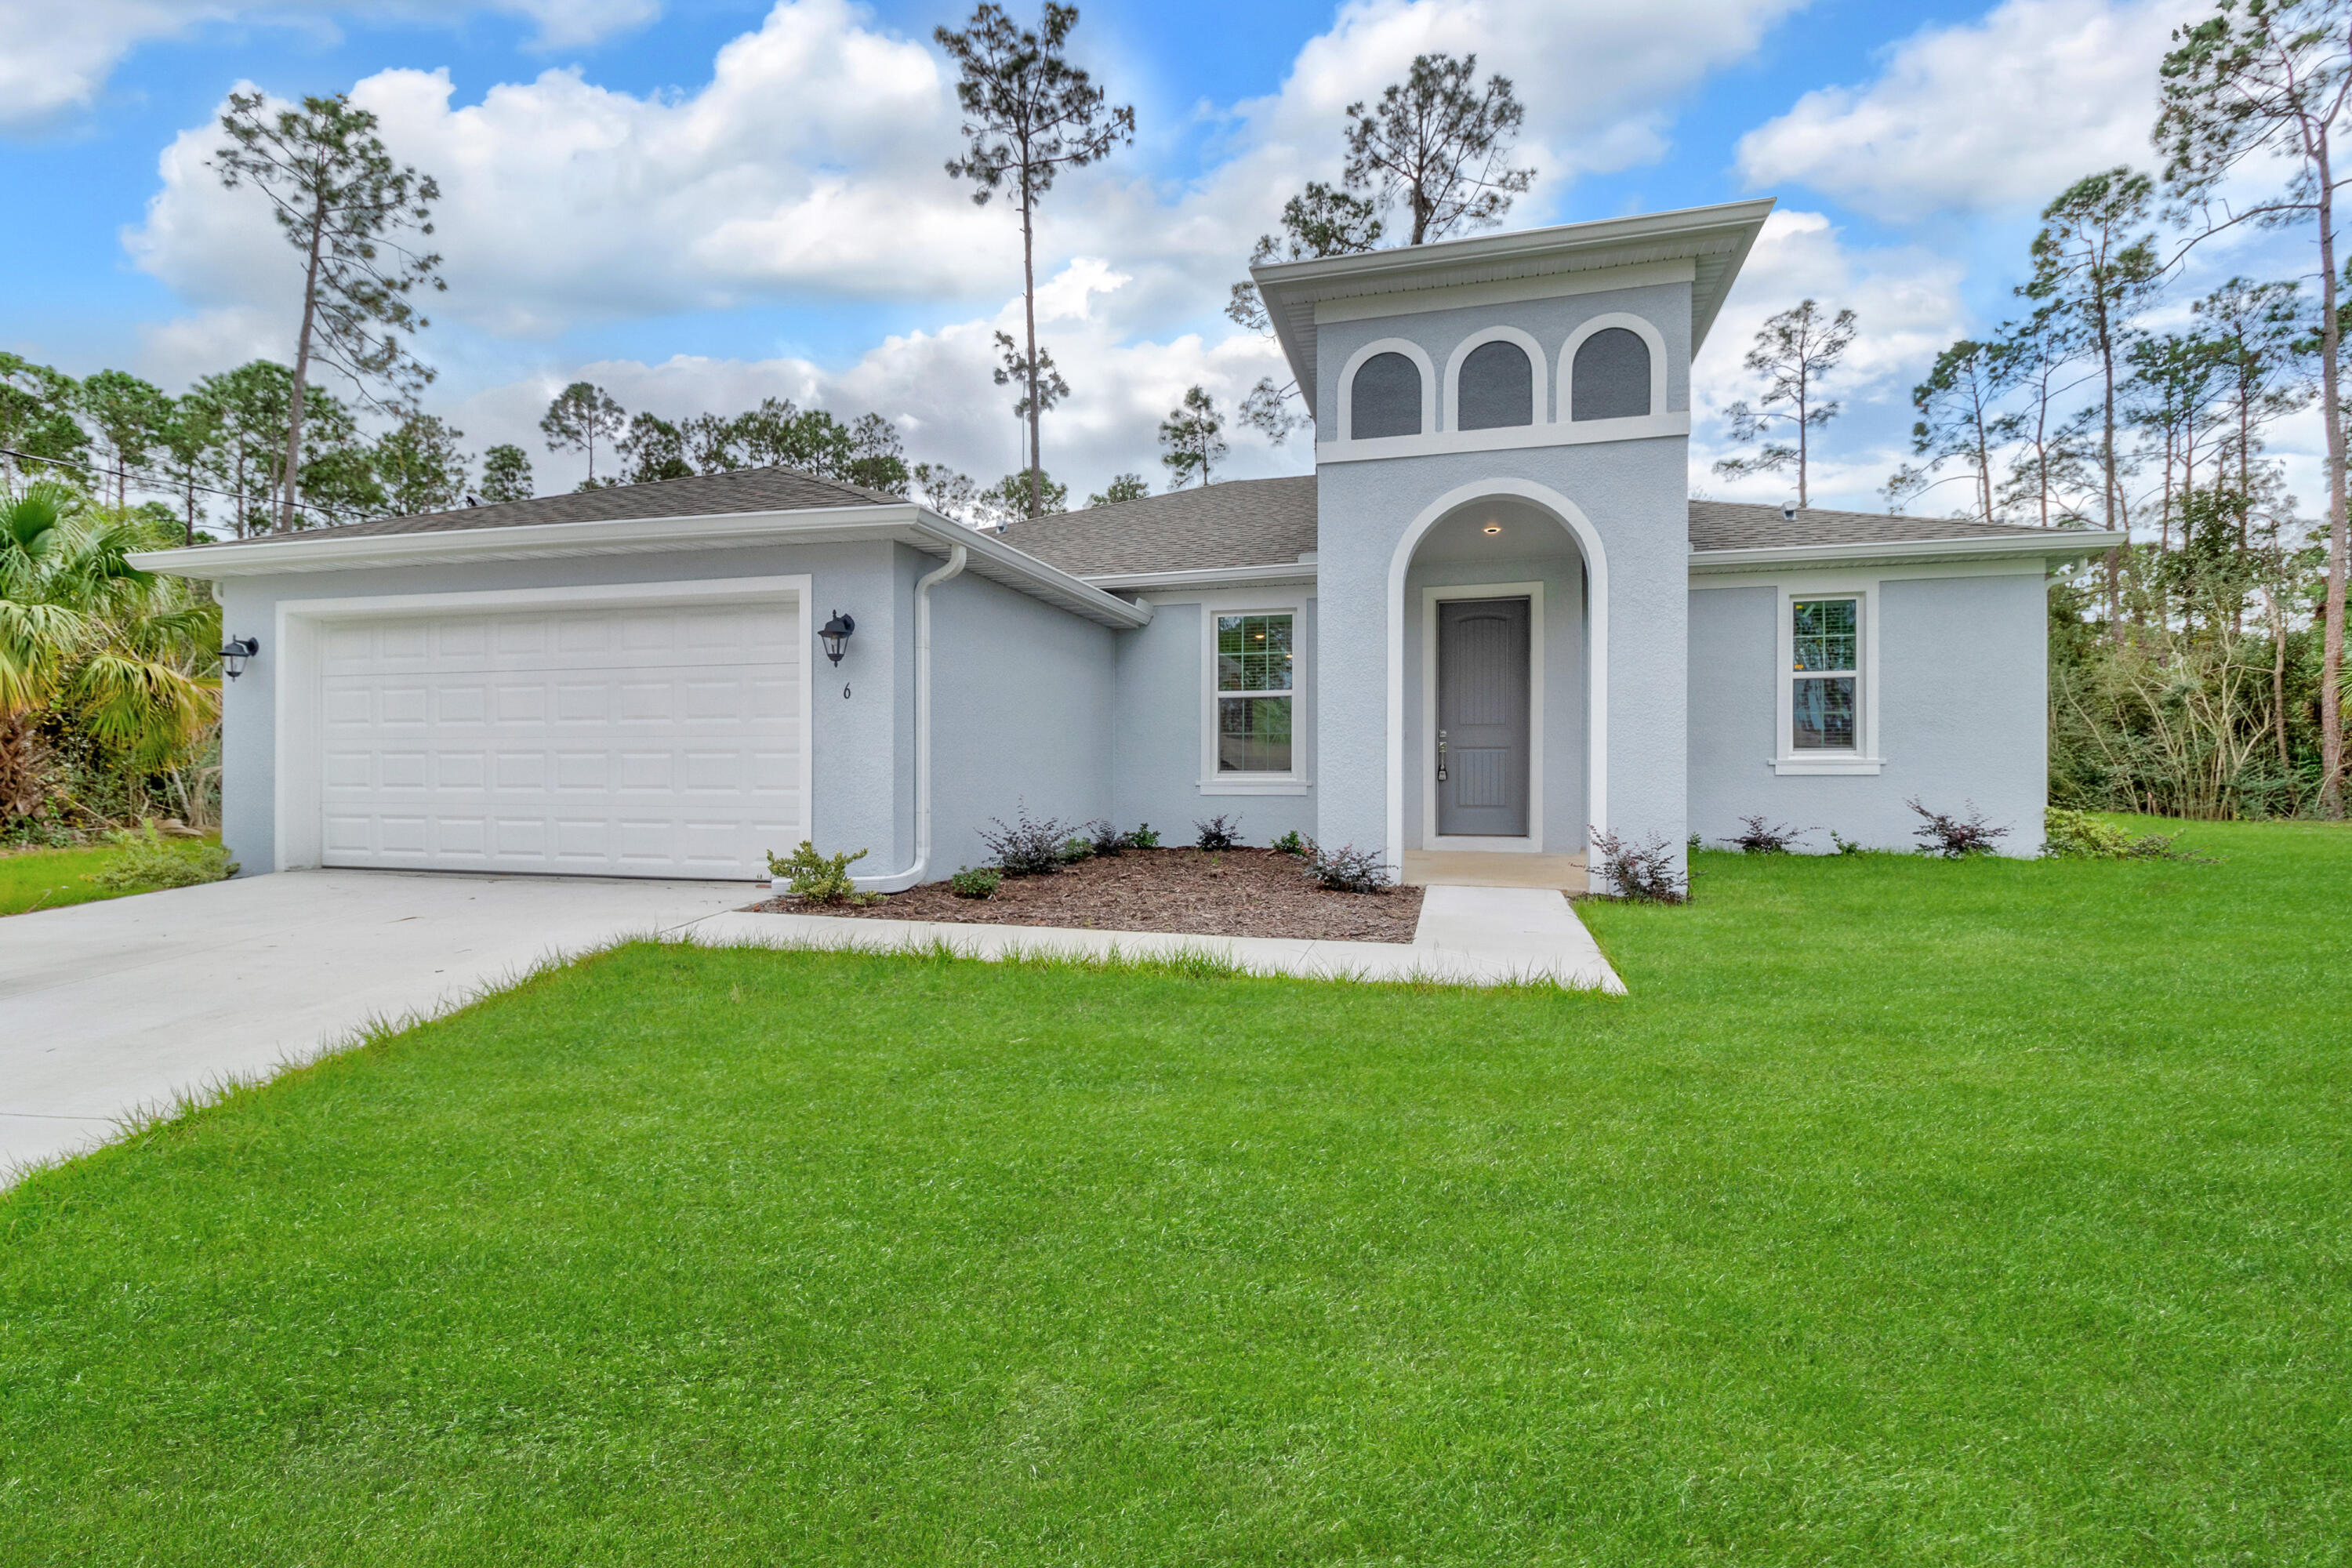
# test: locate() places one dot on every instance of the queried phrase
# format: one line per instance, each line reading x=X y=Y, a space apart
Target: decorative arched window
x=1384 y=399
x=1611 y=377
x=1496 y=388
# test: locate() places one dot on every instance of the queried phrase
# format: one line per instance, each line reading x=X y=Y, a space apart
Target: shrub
x=1104 y=839
x=2078 y=836
x=815 y=878
x=1076 y=847
x=1145 y=837
x=1217 y=833
x=146 y=859
x=1643 y=872
x=976 y=882
x=1953 y=838
x=1027 y=847
x=1291 y=843
x=1347 y=869
x=1761 y=840
x=1845 y=845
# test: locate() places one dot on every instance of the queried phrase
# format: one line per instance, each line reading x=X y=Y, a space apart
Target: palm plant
x=90 y=641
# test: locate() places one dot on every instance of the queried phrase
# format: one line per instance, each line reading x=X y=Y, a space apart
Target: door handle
x=1441 y=756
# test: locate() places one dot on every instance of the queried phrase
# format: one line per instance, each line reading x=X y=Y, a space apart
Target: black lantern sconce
x=834 y=633
x=233 y=654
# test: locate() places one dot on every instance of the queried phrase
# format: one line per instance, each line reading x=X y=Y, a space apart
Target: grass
x=1906 y=1212
x=52 y=878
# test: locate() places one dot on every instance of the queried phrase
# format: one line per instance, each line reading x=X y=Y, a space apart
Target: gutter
x=2058 y=544
x=898 y=882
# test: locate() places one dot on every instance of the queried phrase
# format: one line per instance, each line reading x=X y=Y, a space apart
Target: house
x=1492 y=622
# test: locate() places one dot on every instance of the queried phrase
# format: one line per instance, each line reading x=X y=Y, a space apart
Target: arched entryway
x=1497 y=681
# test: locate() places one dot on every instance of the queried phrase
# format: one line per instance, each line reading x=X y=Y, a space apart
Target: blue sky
x=699 y=203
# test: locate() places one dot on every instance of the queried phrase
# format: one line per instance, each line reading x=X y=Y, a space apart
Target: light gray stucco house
x=1491 y=621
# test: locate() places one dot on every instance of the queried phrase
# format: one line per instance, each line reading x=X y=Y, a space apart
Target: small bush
x=1845 y=845
x=1027 y=847
x=1076 y=847
x=976 y=882
x=1643 y=872
x=1346 y=869
x=1104 y=839
x=1954 y=837
x=815 y=878
x=1217 y=833
x=2078 y=836
x=1761 y=840
x=146 y=859
x=1291 y=843
x=1145 y=837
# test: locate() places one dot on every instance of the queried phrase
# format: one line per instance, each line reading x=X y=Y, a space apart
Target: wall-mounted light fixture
x=835 y=635
x=233 y=654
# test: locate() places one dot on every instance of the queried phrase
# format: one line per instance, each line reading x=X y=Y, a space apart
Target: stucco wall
x=1962 y=677
x=1021 y=713
x=1633 y=495
x=1157 y=717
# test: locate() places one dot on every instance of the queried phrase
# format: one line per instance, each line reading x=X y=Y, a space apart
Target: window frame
x=1864 y=757
x=1539 y=363
x=1564 y=399
x=1295 y=780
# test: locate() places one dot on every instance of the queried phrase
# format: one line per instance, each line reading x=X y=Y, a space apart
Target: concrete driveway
x=112 y=1009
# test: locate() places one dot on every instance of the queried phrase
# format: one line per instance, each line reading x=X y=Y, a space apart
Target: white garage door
x=628 y=742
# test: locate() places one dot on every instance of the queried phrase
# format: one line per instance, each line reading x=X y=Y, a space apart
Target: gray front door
x=1482 y=718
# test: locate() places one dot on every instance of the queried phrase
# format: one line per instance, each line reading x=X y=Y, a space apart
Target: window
x=1495 y=388
x=1609 y=378
x=1254 y=665
x=1384 y=398
x=1825 y=640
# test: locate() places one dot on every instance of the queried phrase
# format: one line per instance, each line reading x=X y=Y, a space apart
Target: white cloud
x=58 y=55
x=1907 y=302
x=2001 y=113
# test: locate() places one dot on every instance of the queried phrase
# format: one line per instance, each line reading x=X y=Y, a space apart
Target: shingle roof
x=703 y=495
x=1242 y=523
x=1737 y=525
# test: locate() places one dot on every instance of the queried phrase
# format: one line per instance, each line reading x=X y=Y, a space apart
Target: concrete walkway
x=1467 y=936
x=110 y=1010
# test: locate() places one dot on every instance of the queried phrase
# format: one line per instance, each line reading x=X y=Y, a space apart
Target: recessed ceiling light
x=1494 y=527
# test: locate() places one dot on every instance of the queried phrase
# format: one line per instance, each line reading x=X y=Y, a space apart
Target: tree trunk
x=2107 y=463
x=302 y=365
x=1029 y=309
x=2331 y=665
x=1803 y=445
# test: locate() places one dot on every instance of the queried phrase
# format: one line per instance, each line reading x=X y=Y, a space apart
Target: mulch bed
x=1230 y=892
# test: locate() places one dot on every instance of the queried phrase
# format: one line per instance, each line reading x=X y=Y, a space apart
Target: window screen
x=1254 y=665
x=1384 y=398
x=1497 y=388
x=1610 y=378
x=1827 y=669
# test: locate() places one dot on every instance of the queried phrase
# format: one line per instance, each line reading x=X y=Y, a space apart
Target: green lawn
x=1905 y=1212
x=52 y=878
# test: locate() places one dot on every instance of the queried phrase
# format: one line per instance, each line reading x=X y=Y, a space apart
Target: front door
x=1482 y=718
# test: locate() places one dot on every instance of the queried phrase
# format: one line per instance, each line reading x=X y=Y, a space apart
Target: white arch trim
x=1634 y=324
x=1411 y=351
x=1596 y=663
x=1541 y=375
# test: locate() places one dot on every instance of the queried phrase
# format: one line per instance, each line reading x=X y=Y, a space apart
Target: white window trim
x=1566 y=405
x=1412 y=351
x=1539 y=369
x=1863 y=760
x=300 y=682
x=1275 y=603
x=1430 y=599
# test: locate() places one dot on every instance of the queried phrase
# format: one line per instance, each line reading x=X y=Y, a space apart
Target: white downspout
x=901 y=881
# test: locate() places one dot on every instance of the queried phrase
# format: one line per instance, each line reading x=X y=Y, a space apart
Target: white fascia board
x=2058 y=545
x=1205 y=577
x=1726 y=231
x=908 y=524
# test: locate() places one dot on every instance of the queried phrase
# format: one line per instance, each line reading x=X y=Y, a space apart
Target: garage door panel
x=656 y=741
